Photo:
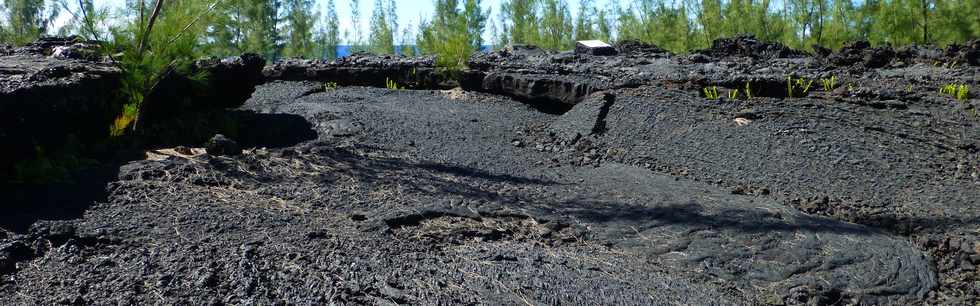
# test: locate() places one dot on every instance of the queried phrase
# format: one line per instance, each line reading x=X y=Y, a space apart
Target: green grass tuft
x=829 y=84
x=798 y=87
x=711 y=93
x=960 y=92
x=391 y=84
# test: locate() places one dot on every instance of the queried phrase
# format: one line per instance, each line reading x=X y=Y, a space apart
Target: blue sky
x=410 y=12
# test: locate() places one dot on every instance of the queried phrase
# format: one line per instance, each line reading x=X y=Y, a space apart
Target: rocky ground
x=548 y=179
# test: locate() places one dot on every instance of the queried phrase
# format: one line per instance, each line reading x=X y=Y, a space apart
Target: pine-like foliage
x=406 y=47
x=162 y=35
x=277 y=28
x=447 y=35
x=328 y=36
x=476 y=22
x=556 y=25
x=300 y=20
x=239 y=26
x=384 y=25
x=354 y=36
x=521 y=20
x=661 y=24
x=585 y=20
x=84 y=19
x=23 y=21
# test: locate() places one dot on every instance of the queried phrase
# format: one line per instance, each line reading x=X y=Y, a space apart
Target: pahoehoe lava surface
x=453 y=197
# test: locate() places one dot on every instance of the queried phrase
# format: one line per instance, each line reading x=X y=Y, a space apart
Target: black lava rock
x=221 y=145
x=11 y=253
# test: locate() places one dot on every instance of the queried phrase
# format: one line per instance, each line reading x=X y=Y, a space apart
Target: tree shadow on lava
x=479 y=186
x=272 y=130
x=370 y=165
x=692 y=214
x=27 y=203
x=248 y=128
x=909 y=225
x=426 y=177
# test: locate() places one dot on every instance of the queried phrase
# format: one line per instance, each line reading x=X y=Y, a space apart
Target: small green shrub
x=798 y=87
x=732 y=95
x=446 y=36
x=960 y=92
x=164 y=37
x=391 y=84
x=829 y=84
x=711 y=93
x=329 y=86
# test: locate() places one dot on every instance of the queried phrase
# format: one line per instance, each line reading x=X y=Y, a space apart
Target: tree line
x=149 y=39
x=301 y=28
x=684 y=25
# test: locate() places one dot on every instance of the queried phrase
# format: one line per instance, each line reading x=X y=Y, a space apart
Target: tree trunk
x=925 y=21
x=149 y=26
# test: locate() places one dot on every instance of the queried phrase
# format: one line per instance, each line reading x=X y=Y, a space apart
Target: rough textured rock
x=71 y=47
x=182 y=110
x=58 y=94
x=552 y=178
x=364 y=70
x=221 y=145
x=539 y=87
x=749 y=46
x=967 y=53
x=639 y=48
x=861 y=52
x=427 y=208
x=48 y=103
x=228 y=83
x=11 y=252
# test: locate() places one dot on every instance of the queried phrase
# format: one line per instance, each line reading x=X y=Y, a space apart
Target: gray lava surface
x=542 y=179
x=434 y=197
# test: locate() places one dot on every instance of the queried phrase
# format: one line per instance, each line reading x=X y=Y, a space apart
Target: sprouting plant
x=711 y=93
x=732 y=95
x=748 y=90
x=850 y=87
x=947 y=89
x=960 y=92
x=330 y=86
x=802 y=84
x=805 y=85
x=829 y=84
x=391 y=84
x=909 y=88
x=789 y=86
x=128 y=115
